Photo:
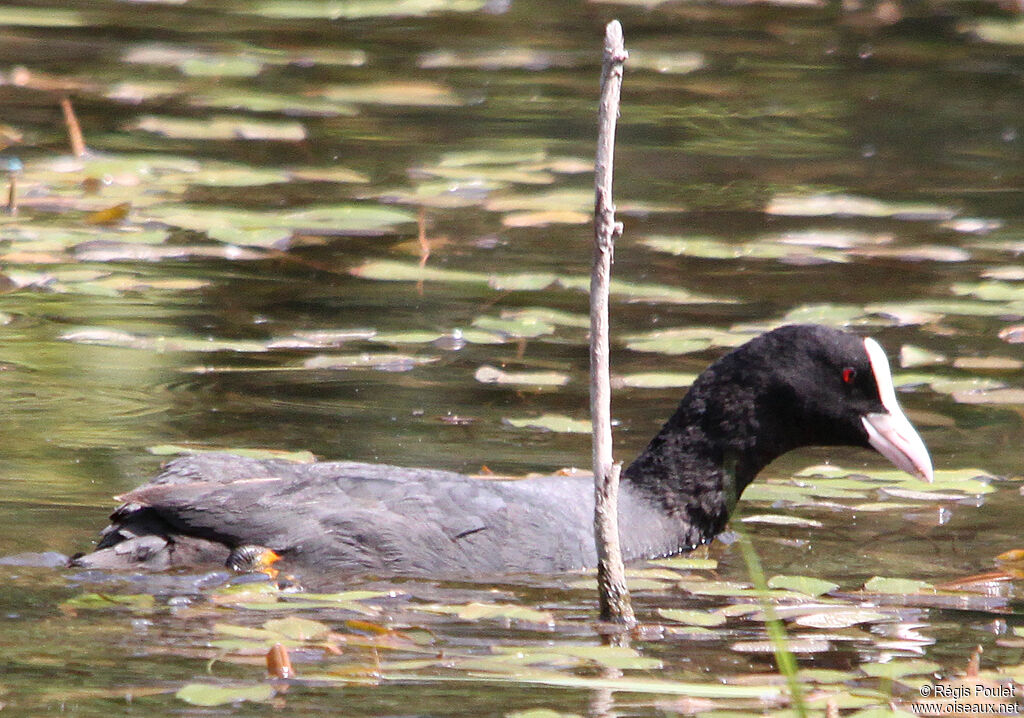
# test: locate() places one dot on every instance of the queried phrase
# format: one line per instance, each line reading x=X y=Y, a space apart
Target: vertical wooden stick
x=611 y=576
x=74 y=129
x=12 y=193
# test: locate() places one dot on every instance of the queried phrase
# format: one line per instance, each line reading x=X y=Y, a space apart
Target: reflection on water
x=336 y=217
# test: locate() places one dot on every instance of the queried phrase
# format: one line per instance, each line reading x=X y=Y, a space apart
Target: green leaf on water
x=411 y=93
x=267 y=228
x=781 y=520
x=822 y=205
x=525 y=282
x=685 y=562
x=413 y=336
x=902 y=586
x=670 y=63
x=235 y=631
x=221 y=128
x=552 y=422
x=101 y=336
x=927 y=308
x=991 y=291
x=487 y=374
x=41 y=17
x=521 y=327
x=912 y=356
x=998 y=31
x=802 y=584
x=654 y=380
x=367 y=360
x=209 y=694
x=683 y=340
x=99 y=601
x=292 y=105
x=899 y=669
x=298 y=457
x=545 y=218
x=841 y=617
x=550 y=316
x=621 y=657
x=692 y=617
x=476 y=611
x=391 y=270
x=644 y=292
x=298 y=629
x=222 y=66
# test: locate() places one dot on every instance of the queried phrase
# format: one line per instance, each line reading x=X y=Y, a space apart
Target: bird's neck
x=698 y=465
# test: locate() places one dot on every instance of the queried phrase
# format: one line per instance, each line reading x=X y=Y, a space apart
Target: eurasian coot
x=801 y=385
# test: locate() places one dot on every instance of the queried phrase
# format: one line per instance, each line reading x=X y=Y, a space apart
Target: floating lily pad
x=41 y=17
x=841 y=617
x=781 y=520
x=266 y=228
x=413 y=94
x=101 y=336
x=998 y=31
x=802 y=584
x=991 y=291
x=221 y=128
x=669 y=63
x=477 y=611
x=916 y=253
x=820 y=205
x=368 y=360
x=988 y=363
x=209 y=694
x=299 y=457
x=297 y=628
x=798 y=645
x=552 y=422
x=709 y=248
x=413 y=336
x=912 y=356
x=549 y=316
x=895 y=670
x=490 y=375
x=544 y=218
x=391 y=270
x=292 y=105
x=523 y=326
x=692 y=617
x=990 y=396
x=685 y=340
x=654 y=380
x=503 y=58
x=685 y=562
x=902 y=586
x=101 y=601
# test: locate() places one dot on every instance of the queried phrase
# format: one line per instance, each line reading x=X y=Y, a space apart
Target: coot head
x=797 y=386
x=811 y=385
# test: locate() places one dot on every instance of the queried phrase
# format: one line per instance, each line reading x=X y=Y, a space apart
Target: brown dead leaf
x=110 y=215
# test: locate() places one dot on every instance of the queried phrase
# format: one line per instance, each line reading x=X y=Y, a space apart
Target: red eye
x=849 y=375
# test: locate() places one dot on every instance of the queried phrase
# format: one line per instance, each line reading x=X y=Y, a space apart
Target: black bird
x=800 y=385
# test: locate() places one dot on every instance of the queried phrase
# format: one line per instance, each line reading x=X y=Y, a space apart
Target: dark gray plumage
x=796 y=386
